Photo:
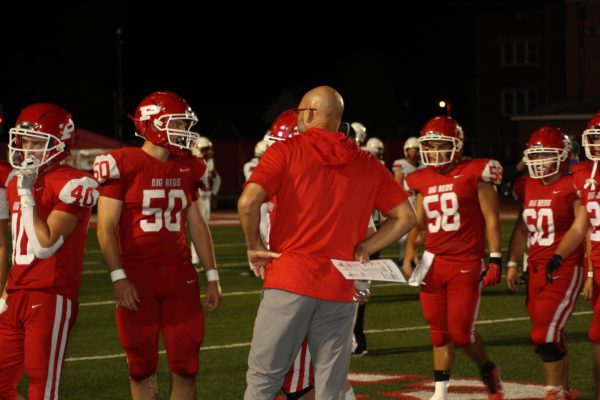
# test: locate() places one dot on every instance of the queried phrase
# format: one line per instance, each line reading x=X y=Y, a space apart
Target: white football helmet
x=361 y=132
x=411 y=143
x=260 y=148
x=200 y=146
x=374 y=146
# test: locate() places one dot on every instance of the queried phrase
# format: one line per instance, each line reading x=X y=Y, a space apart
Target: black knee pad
x=550 y=352
x=297 y=395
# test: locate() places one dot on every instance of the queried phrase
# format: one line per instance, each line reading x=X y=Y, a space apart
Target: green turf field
x=398 y=340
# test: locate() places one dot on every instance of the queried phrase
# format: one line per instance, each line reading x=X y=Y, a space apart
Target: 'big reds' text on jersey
x=65 y=189
x=454 y=222
x=155 y=196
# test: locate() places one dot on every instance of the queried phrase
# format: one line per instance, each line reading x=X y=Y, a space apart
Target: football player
x=148 y=197
x=549 y=202
x=50 y=204
x=457 y=206
x=587 y=219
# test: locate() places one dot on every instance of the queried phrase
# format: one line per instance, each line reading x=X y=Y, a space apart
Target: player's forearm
x=411 y=246
x=109 y=245
x=518 y=243
x=202 y=240
x=572 y=239
x=494 y=235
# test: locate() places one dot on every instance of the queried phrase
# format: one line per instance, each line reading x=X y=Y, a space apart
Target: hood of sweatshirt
x=332 y=149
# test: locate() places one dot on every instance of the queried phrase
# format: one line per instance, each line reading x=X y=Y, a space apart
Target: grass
x=397 y=335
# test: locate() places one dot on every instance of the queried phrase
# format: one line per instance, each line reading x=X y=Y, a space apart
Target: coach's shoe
x=493 y=383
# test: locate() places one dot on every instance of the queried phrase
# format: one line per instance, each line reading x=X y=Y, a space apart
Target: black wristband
x=557 y=257
x=495 y=260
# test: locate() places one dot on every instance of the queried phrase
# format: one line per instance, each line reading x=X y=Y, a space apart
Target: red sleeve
x=107 y=170
x=113 y=188
x=77 y=194
x=77 y=211
x=389 y=192
x=269 y=172
x=519 y=189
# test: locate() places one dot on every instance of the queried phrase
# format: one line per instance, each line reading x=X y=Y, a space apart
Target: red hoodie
x=325 y=188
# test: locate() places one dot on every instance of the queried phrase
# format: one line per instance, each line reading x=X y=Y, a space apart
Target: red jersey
x=155 y=196
x=548 y=214
x=590 y=199
x=66 y=189
x=455 y=227
x=5 y=169
x=326 y=188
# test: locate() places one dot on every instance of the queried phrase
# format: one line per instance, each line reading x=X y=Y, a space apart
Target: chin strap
x=591 y=182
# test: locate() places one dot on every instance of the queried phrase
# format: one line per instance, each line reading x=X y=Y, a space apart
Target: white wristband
x=117 y=275
x=511 y=264
x=27 y=199
x=496 y=254
x=212 y=275
x=590 y=273
x=3 y=305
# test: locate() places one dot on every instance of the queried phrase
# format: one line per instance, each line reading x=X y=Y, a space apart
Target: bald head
x=324 y=107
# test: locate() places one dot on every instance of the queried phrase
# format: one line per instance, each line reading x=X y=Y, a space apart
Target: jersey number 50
x=163 y=217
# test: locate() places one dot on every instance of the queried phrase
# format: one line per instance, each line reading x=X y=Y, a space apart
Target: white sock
x=441 y=390
x=350 y=394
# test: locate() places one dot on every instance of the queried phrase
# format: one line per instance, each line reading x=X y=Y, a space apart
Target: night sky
x=390 y=68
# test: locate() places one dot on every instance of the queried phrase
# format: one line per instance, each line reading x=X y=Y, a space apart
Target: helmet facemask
x=591 y=143
x=178 y=128
x=445 y=152
x=544 y=162
x=29 y=148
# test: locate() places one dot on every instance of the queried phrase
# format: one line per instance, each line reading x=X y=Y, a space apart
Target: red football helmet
x=591 y=138
x=165 y=119
x=285 y=126
x=441 y=142
x=44 y=132
x=547 y=152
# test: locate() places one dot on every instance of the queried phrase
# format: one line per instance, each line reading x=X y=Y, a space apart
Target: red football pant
x=594 y=332
x=301 y=375
x=170 y=303
x=450 y=301
x=34 y=331
x=550 y=305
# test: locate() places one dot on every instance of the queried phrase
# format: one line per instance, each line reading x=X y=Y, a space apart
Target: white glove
x=3 y=305
x=25 y=180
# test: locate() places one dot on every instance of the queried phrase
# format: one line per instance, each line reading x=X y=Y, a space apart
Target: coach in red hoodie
x=324 y=188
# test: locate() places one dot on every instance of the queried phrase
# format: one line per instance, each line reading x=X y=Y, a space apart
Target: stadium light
x=446 y=104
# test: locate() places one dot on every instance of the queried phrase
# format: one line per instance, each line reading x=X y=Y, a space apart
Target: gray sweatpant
x=284 y=319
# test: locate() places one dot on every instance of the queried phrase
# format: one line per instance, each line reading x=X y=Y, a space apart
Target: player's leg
x=182 y=327
x=464 y=296
x=48 y=322
x=12 y=353
x=434 y=308
x=281 y=325
x=594 y=333
x=549 y=313
x=138 y=333
x=299 y=381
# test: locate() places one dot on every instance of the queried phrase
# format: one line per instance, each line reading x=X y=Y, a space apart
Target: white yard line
x=246 y=344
